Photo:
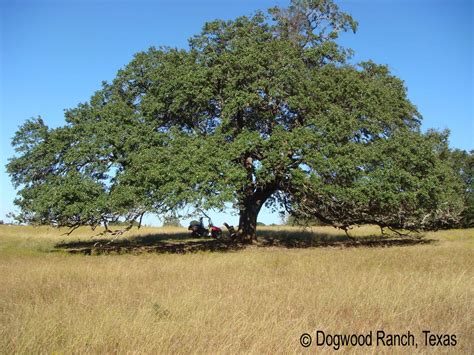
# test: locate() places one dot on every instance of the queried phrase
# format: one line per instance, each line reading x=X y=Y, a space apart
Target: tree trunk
x=248 y=220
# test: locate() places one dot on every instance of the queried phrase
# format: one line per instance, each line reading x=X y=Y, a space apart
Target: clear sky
x=55 y=53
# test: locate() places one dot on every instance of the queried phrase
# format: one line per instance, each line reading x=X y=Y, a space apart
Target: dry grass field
x=258 y=299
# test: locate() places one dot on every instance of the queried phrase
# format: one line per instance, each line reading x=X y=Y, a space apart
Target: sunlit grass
x=255 y=300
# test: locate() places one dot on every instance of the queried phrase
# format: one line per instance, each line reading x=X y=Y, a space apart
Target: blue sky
x=55 y=53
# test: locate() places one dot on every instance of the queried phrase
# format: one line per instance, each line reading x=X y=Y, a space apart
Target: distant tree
x=261 y=224
x=12 y=217
x=171 y=221
x=291 y=220
x=259 y=110
x=126 y=223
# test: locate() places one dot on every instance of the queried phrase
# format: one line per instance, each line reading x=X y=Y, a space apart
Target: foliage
x=463 y=163
x=260 y=109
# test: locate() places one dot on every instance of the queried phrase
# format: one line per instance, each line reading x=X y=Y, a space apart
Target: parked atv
x=198 y=230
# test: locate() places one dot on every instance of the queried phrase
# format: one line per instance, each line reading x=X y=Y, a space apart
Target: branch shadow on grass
x=174 y=243
x=308 y=239
x=181 y=243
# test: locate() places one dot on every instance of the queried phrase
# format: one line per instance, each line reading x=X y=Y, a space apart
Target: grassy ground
x=252 y=300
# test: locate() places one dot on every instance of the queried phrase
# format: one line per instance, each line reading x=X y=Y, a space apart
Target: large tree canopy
x=260 y=109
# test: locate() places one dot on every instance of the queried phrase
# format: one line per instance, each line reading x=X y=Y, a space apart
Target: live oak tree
x=258 y=110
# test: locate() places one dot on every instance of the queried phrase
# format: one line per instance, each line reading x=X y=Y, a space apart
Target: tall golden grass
x=255 y=300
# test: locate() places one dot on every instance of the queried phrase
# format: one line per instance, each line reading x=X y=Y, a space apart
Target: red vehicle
x=198 y=229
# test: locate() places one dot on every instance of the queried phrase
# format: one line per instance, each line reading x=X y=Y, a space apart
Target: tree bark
x=251 y=202
x=248 y=223
x=248 y=216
